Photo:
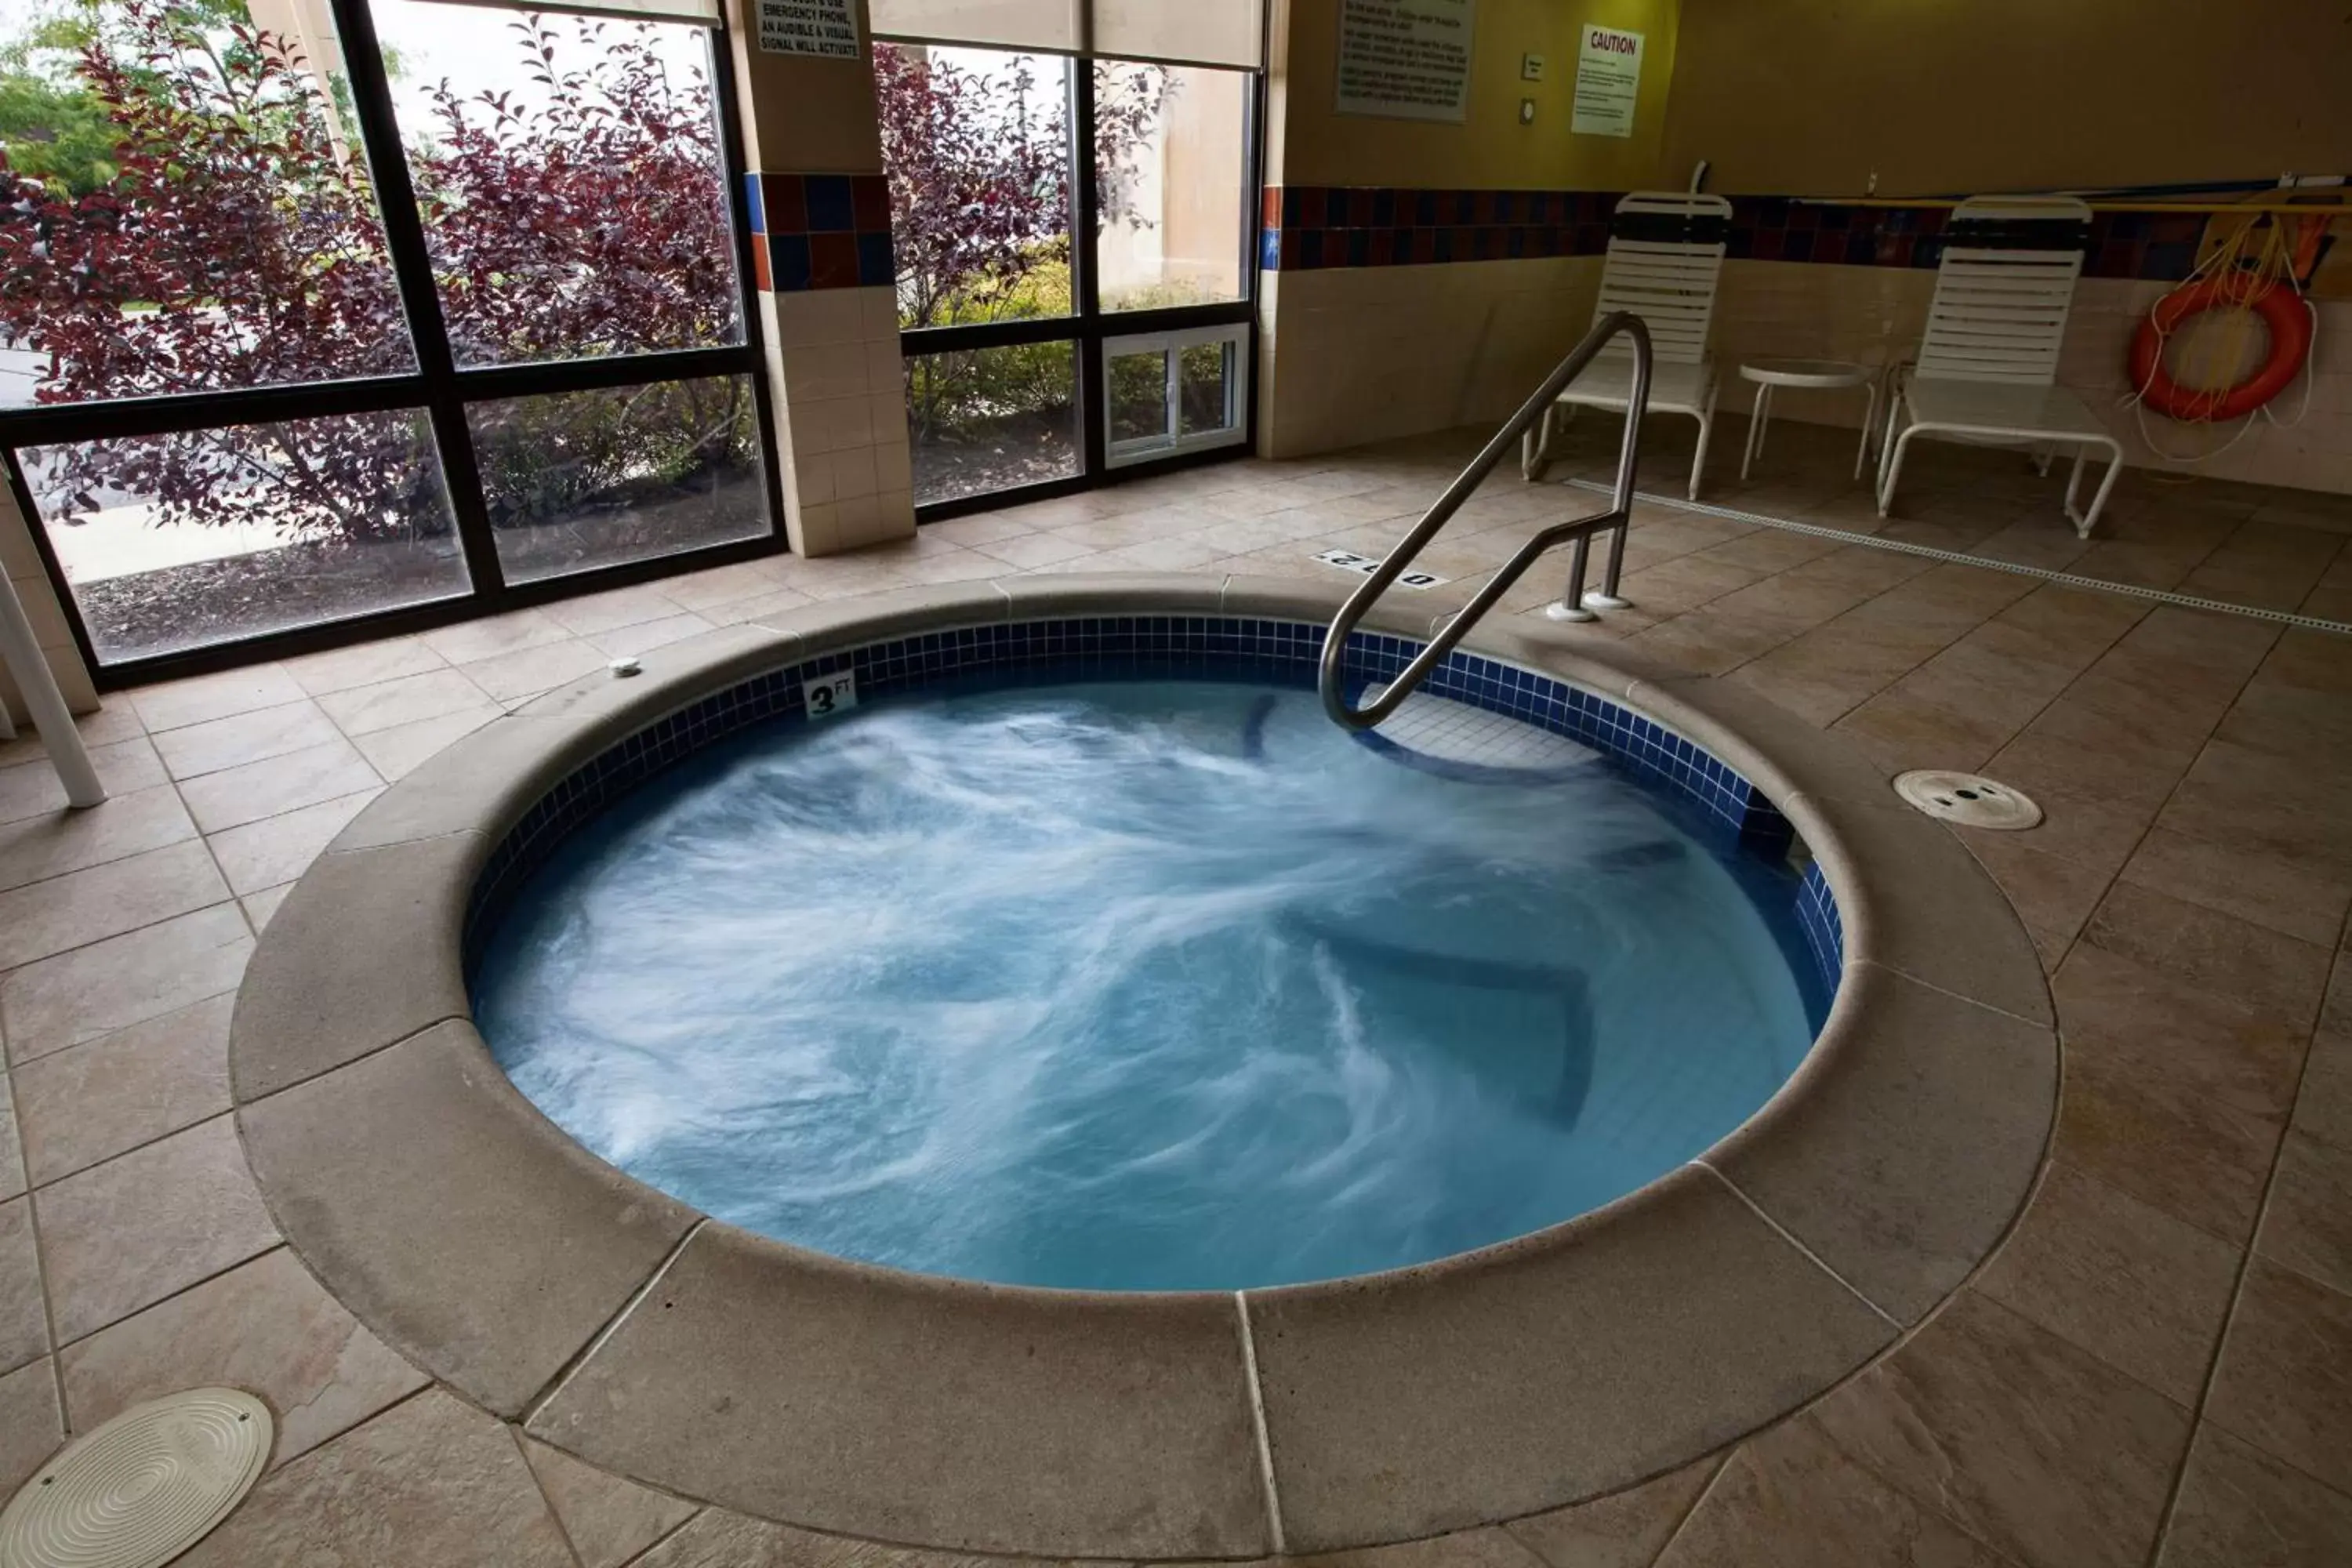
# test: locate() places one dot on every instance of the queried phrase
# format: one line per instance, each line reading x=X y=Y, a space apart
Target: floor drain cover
x=1965 y=798
x=142 y=1488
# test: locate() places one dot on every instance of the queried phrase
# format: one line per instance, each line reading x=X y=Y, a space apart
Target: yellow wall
x=1808 y=97
x=1491 y=150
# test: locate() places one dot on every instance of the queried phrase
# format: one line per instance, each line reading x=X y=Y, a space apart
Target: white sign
x=1405 y=59
x=1348 y=560
x=1608 y=81
x=829 y=694
x=826 y=28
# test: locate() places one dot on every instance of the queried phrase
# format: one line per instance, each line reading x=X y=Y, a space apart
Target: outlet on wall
x=1526 y=111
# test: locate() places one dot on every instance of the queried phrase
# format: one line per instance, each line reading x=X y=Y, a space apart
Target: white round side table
x=1819 y=374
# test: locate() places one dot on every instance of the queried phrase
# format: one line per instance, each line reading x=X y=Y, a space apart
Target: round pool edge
x=603 y=1317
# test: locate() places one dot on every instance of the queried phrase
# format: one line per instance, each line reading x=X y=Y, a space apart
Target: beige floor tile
x=2289 y=896
x=23 y=1317
x=528 y=671
x=2139 y=1290
x=1624 y=1529
x=775 y=602
x=717 y=585
x=31 y=1425
x=608 y=1520
x=180 y=703
x=1024 y=550
x=235 y=797
x=399 y=750
x=13 y=1179
x=87 y=906
x=31 y=788
x=2029 y=1444
x=643 y=636
x=2050 y=892
x=115 y=721
x=983 y=527
x=2307 y=1223
x=90 y=1102
x=1790 y=1500
x=2285 y=1380
x=2240 y=1508
x=266 y=1326
x=124 y=1235
x=2260 y=969
x=430 y=1483
x=220 y=743
x=50 y=845
x=612 y=610
x=470 y=640
x=279 y=849
x=2323 y=1110
x=125 y=980
x=342 y=668
x=258 y=907
x=365 y=709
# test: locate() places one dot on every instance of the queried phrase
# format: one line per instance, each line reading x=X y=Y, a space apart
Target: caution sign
x=826 y=28
x=1405 y=59
x=1607 y=83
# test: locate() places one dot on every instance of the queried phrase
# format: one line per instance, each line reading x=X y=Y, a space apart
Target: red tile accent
x=1383 y=247
x=1425 y=245
x=833 y=261
x=869 y=196
x=1269 y=206
x=760 y=275
x=786 y=200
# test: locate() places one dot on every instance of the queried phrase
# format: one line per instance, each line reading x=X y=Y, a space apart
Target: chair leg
x=1534 y=447
x=1893 y=458
x=1706 y=433
x=2084 y=522
x=1754 y=427
x=1869 y=421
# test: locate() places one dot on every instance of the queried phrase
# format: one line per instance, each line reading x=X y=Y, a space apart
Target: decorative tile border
x=1285 y=652
x=819 y=231
x=1307 y=227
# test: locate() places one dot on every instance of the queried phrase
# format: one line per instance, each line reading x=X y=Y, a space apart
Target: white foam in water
x=1136 y=985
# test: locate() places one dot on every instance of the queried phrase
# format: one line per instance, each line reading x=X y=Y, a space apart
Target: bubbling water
x=1136 y=985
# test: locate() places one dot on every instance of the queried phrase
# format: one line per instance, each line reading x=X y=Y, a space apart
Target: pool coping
x=487 y=1245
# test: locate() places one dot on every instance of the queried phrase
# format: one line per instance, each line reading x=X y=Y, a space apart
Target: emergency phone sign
x=1608 y=81
x=826 y=28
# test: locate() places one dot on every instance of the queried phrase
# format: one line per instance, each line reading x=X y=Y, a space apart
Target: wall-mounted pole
x=30 y=668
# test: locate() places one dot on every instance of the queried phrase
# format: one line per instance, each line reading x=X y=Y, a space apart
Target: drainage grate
x=144 y=1488
x=1965 y=798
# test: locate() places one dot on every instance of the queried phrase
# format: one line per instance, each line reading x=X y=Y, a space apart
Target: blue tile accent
x=876 y=267
x=788 y=261
x=1824 y=928
x=832 y=206
x=751 y=201
x=1146 y=646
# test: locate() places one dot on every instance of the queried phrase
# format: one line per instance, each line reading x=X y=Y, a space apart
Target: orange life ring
x=2281 y=309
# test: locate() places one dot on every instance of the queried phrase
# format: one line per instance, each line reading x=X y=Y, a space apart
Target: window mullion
x=412 y=265
x=1094 y=390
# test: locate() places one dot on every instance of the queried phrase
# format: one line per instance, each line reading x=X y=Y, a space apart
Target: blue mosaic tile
x=1111 y=647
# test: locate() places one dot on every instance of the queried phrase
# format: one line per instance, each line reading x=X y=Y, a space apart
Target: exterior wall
x=822 y=262
x=23 y=564
x=1812 y=97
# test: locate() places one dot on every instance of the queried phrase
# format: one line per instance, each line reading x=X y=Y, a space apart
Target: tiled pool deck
x=2157 y=1368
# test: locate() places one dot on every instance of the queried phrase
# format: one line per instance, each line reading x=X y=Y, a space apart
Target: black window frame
x=1088 y=325
x=436 y=385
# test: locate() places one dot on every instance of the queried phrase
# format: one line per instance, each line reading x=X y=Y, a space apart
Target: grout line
x=1811 y=1256
x=666 y=1536
x=563 y=1530
x=1722 y=1467
x=1956 y=558
x=1257 y=1425
x=565 y=1374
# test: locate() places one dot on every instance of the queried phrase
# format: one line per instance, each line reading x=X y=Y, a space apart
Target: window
x=1044 y=196
x=320 y=311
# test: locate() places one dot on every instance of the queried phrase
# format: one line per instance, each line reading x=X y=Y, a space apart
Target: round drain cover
x=144 y=1488
x=1965 y=798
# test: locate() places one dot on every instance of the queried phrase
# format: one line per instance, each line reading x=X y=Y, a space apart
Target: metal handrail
x=1335 y=645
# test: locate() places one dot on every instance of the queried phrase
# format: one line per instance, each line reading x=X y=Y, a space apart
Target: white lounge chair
x=1669 y=281
x=1988 y=367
